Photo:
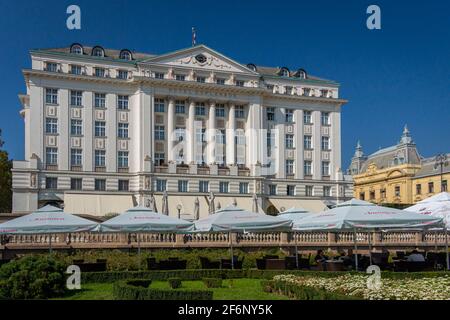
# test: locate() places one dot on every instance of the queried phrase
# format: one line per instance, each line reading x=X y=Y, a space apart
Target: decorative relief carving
x=208 y=61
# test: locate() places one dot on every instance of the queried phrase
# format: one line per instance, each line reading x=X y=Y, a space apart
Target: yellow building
x=396 y=175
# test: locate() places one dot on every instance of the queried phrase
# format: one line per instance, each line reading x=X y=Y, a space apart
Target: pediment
x=200 y=57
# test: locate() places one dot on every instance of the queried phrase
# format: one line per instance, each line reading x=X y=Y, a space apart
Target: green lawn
x=236 y=289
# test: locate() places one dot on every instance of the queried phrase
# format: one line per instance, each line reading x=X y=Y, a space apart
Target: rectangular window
x=288 y=90
x=325 y=143
x=397 y=191
x=51 y=183
x=159 y=105
x=100 y=100
x=307 y=143
x=99 y=72
x=220 y=110
x=76 y=184
x=180 y=77
x=122 y=74
x=289 y=116
x=325 y=118
x=240 y=83
x=200 y=135
x=307 y=117
x=289 y=141
x=418 y=189
x=220 y=81
x=243 y=187
x=444 y=186
x=124 y=185
x=430 y=187
x=180 y=134
x=180 y=107
x=200 y=109
x=100 y=185
x=76 y=127
x=324 y=93
x=182 y=185
x=326 y=191
x=223 y=187
x=100 y=128
x=221 y=136
x=51 y=96
x=270 y=114
x=307 y=168
x=273 y=189
x=160 y=158
x=122 y=102
x=159 y=133
x=122 y=159
x=159 y=75
x=371 y=195
x=362 y=196
x=122 y=130
x=100 y=158
x=51 y=66
x=383 y=193
x=325 y=168
x=239 y=112
x=160 y=185
x=203 y=186
x=76 y=157
x=51 y=156
x=75 y=69
x=51 y=125
x=290 y=190
x=289 y=167
x=309 y=190
x=76 y=98
x=201 y=79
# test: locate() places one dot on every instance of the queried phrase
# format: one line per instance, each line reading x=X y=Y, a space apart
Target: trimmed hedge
x=212 y=282
x=102 y=277
x=140 y=283
x=174 y=283
x=302 y=292
x=123 y=290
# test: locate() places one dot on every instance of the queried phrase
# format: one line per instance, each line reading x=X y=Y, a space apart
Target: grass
x=235 y=289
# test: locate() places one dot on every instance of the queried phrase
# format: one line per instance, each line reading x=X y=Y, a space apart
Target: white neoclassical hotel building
x=109 y=129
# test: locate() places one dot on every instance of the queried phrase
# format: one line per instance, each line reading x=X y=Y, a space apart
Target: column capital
x=211 y=103
x=171 y=99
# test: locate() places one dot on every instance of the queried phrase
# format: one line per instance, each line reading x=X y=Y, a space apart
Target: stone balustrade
x=307 y=240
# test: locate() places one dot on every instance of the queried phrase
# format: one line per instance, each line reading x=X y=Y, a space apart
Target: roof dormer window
x=98 y=52
x=284 y=72
x=126 y=55
x=252 y=67
x=76 y=49
x=301 y=74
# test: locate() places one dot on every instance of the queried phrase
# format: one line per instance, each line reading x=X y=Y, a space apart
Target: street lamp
x=441 y=161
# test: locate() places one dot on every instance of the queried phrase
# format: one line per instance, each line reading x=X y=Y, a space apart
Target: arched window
x=98 y=52
x=76 y=48
x=125 y=55
x=251 y=66
x=284 y=72
x=301 y=74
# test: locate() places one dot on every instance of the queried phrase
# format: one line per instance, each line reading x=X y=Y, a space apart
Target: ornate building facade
x=396 y=175
x=109 y=129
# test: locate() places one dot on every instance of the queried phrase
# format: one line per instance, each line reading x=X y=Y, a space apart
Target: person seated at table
x=320 y=257
x=348 y=258
x=415 y=256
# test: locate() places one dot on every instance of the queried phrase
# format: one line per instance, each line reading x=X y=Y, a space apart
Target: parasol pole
x=370 y=247
x=446 y=248
x=296 y=250
x=139 y=249
x=356 y=249
x=50 y=243
x=231 y=250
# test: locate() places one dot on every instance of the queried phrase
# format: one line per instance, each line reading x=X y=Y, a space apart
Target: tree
x=5 y=179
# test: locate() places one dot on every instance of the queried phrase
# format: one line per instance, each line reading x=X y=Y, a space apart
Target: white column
x=335 y=138
x=88 y=131
x=191 y=134
x=171 y=130
x=111 y=134
x=230 y=141
x=63 y=129
x=317 y=154
x=212 y=133
x=298 y=139
x=279 y=141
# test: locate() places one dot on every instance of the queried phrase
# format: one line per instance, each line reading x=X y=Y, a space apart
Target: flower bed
x=427 y=288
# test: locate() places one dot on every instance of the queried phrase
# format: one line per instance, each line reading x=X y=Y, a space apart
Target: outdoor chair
x=381 y=259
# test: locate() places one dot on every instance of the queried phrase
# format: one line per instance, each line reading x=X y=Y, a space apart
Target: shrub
x=140 y=282
x=303 y=292
x=122 y=290
x=32 y=277
x=267 y=285
x=174 y=283
x=212 y=282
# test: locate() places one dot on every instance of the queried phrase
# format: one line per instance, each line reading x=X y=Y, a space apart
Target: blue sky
x=399 y=74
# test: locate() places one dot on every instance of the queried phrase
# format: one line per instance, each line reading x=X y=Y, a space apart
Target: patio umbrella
x=142 y=219
x=295 y=214
x=165 y=204
x=196 y=209
x=361 y=215
x=234 y=219
x=211 y=206
x=255 y=203
x=47 y=220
